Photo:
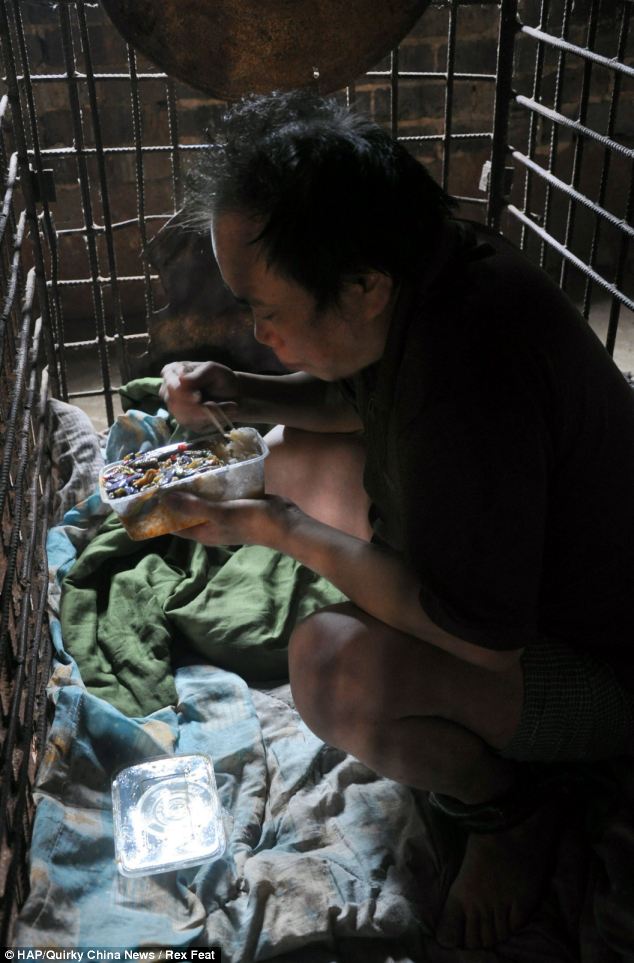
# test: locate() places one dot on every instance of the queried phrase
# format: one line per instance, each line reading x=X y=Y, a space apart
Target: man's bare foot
x=500 y=882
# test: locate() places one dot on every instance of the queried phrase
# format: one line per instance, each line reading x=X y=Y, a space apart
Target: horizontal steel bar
x=78 y=75
x=78 y=282
x=558 y=118
x=611 y=63
x=486 y=135
x=565 y=252
x=445 y=4
x=429 y=75
x=94 y=392
x=118 y=225
x=109 y=339
x=167 y=148
x=618 y=222
x=469 y=200
x=91 y=151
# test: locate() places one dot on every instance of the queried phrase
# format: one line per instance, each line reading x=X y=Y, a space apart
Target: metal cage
x=524 y=114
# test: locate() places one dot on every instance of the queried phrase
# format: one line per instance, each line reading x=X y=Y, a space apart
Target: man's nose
x=263 y=333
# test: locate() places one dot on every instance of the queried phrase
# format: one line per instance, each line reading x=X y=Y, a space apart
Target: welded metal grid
x=110 y=137
x=24 y=512
x=96 y=145
x=572 y=152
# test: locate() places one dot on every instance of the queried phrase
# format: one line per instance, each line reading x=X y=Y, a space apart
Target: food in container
x=217 y=468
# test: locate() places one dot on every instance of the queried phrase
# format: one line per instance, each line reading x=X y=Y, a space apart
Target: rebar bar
x=140 y=185
x=577 y=159
x=86 y=201
x=565 y=252
x=119 y=323
x=503 y=93
x=449 y=86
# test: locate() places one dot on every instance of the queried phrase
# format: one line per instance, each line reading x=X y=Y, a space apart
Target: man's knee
x=322 y=473
x=343 y=676
x=331 y=689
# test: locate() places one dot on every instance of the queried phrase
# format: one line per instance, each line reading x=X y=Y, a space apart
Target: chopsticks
x=216 y=421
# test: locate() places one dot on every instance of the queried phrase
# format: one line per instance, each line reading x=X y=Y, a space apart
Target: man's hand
x=244 y=521
x=197 y=393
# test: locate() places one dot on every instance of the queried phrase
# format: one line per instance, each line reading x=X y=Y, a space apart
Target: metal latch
x=43 y=184
x=485 y=179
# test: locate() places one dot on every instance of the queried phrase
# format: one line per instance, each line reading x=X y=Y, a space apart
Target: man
x=455 y=451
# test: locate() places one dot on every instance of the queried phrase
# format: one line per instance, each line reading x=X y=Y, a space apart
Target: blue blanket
x=319 y=851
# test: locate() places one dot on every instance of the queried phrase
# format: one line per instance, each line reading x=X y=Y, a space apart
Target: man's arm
x=374 y=580
x=192 y=390
x=296 y=400
x=378 y=582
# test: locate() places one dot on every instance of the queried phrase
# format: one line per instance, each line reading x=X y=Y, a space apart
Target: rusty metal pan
x=228 y=48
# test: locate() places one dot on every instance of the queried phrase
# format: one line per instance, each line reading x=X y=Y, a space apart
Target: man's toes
x=480 y=930
x=450 y=928
x=519 y=916
x=502 y=922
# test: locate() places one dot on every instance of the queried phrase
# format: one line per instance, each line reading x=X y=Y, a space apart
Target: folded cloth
x=131 y=610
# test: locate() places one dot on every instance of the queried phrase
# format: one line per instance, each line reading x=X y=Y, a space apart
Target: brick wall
x=421 y=112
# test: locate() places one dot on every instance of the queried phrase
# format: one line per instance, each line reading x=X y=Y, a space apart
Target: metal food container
x=146 y=515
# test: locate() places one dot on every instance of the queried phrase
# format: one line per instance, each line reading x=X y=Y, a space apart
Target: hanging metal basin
x=228 y=48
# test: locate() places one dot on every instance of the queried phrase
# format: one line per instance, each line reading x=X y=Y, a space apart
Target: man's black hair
x=336 y=194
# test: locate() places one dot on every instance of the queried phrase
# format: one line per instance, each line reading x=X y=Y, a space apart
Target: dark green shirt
x=500 y=453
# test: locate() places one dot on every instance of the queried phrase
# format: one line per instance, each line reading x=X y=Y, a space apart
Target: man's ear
x=367 y=294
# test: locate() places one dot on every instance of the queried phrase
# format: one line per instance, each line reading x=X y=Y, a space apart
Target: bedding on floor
x=326 y=862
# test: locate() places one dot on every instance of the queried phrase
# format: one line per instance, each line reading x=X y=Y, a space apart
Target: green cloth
x=141 y=394
x=131 y=610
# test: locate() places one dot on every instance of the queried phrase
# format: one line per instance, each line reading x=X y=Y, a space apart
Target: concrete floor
x=82 y=375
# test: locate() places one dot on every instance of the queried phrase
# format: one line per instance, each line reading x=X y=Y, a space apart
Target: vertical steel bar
x=619 y=274
x=6 y=214
x=449 y=88
x=503 y=95
x=86 y=201
x=4 y=106
x=119 y=324
x=10 y=165
x=394 y=61
x=577 y=160
x=533 y=119
x=23 y=465
x=35 y=712
x=9 y=187
x=140 y=186
x=172 y=121
x=50 y=308
x=8 y=456
x=554 y=133
x=12 y=286
x=607 y=154
x=19 y=733
x=55 y=317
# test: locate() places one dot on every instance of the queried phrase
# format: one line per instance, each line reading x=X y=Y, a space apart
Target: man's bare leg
x=427 y=719
x=323 y=474
x=406 y=709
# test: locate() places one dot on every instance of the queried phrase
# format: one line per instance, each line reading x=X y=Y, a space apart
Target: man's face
x=329 y=344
